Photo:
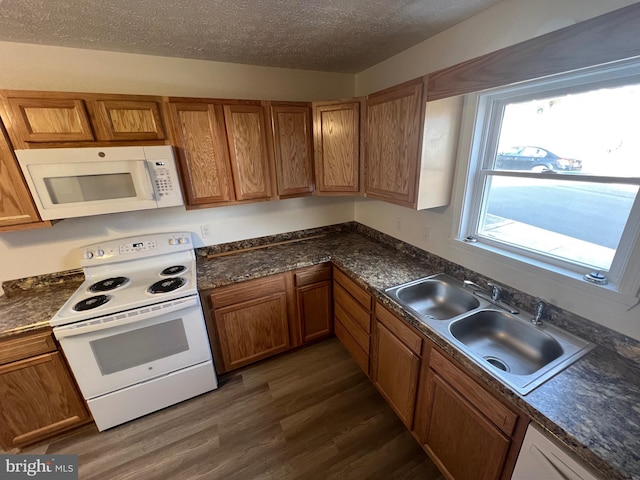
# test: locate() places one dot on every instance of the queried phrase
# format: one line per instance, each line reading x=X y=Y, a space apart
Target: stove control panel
x=135 y=247
x=127 y=248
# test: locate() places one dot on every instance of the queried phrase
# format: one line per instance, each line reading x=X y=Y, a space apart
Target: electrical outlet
x=398 y=224
x=426 y=234
x=205 y=230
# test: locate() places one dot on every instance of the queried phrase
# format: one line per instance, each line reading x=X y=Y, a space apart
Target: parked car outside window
x=536 y=159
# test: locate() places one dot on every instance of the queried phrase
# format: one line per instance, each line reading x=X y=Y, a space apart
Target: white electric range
x=134 y=333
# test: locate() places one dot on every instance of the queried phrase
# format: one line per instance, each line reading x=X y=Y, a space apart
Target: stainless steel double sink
x=508 y=346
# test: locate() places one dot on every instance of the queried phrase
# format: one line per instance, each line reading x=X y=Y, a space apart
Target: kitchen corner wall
x=37 y=67
x=505 y=24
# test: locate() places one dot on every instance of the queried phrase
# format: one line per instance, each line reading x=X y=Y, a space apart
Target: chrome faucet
x=493 y=296
x=541 y=311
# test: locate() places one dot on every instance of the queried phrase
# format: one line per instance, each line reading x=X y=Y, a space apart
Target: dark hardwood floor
x=310 y=414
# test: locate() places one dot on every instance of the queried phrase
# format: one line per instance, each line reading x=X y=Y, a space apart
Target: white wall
x=36 y=67
x=505 y=24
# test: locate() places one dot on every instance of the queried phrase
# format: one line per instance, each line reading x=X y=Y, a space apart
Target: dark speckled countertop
x=592 y=407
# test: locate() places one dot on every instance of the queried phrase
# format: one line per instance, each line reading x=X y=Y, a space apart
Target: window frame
x=479 y=137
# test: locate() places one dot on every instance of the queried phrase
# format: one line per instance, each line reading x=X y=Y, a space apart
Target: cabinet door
x=129 y=120
x=37 y=399
x=292 y=148
x=393 y=143
x=51 y=119
x=314 y=310
x=198 y=130
x=250 y=157
x=253 y=330
x=17 y=209
x=337 y=147
x=395 y=373
x=460 y=439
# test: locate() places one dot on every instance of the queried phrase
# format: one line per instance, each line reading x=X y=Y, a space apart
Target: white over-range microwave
x=78 y=182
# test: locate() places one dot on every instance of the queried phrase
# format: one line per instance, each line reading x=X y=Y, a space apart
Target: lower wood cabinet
x=352 y=318
x=313 y=302
x=468 y=433
x=38 y=396
x=250 y=321
x=253 y=320
x=396 y=363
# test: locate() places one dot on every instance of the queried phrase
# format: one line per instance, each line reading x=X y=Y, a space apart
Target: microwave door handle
x=149 y=185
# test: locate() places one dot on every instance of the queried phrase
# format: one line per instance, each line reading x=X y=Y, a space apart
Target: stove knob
x=99 y=253
x=173 y=241
x=88 y=255
x=183 y=240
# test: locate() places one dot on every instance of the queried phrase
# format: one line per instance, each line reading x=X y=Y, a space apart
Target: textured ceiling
x=329 y=35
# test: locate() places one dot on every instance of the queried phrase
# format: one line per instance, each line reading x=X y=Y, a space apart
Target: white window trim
x=624 y=286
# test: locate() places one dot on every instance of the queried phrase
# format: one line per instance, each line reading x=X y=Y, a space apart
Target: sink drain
x=496 y=362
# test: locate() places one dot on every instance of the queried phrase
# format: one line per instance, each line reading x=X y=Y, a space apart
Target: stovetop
x=131 y=273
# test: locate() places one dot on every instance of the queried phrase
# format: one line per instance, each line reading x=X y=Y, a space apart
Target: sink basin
x=514 y=350
x=506 y=342
x=440 y=297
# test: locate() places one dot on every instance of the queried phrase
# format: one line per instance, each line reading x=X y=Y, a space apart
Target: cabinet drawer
x=360 y=357
x=401 y=330
x=245 y=291
x=356 y=292
x=26 y=346
x=354 y=309
x=315 y=274
x=359 y=335
x=496 y=412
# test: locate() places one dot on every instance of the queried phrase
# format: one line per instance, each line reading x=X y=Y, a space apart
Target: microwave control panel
x=163 y=179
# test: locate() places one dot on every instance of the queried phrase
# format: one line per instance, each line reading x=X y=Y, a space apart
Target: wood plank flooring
x=311 y=414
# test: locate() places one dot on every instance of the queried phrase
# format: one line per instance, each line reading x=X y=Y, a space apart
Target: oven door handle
x=124 y=318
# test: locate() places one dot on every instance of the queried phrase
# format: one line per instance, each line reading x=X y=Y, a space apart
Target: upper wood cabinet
x=411 y=146
x=338 y=144
x=199 y=132
x=393 y=142
x=224 y=151
x=42 y=118
x=251 y=160
x=17 y=210
x=292 y=133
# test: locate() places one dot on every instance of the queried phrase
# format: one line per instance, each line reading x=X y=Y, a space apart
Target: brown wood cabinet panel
x=460 y=440
x=359 y=356
x=129 y=120
x=357 y=292
x=51 y=119
x=395 y=373
x=251 y=160
x=314 y=310
x=337 y=141
x=17 y=210
x=38 y=398
x=292 y=148
x=496 y=412
x=249 y=290
x=360 y=337
x=315 y=274
x=400 y=329
x=393 y=143
x=358 y=314
x=27 y=345
x=253 y=330
x=206 y=172
x=606 y=38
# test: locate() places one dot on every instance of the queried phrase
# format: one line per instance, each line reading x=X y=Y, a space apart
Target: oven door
x=113 y=353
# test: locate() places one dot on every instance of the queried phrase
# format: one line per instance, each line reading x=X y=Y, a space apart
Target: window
x=554 y=173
